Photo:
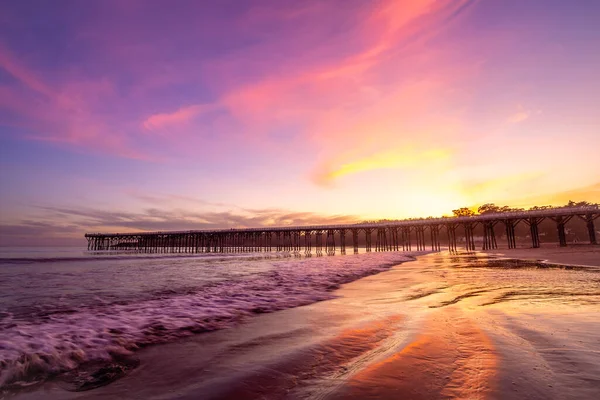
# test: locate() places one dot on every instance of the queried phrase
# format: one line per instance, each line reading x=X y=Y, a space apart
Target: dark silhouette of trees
x=490 y=208
x=535 y=208
x=463 y=212
x=572 y=203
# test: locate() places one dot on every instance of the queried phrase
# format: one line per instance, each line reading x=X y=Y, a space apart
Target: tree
x=534 y=208
x=463 y=212
x=488 y=208
x=581 y=204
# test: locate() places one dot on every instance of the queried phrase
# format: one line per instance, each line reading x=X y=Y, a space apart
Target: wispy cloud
x=63 y=114
x=39 y=233
x=169 y=219
x=401 y=158
x=168 y=199
x=11 y=65
x=48 y=228
x=259 y=90
x=518 y=117
x=589 y=193
x=522 y=114
x=179 y=117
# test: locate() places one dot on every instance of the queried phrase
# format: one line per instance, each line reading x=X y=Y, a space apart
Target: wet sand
x=572 y=254
x=444 y=326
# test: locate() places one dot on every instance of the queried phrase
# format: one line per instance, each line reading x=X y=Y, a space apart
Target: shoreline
x=296 y=281
x=414 y=331
x=574 y=255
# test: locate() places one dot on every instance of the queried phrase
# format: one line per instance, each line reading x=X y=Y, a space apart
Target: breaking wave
x=61 y=342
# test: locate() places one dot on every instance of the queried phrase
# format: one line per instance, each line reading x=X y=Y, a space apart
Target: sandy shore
x=572 y=254
x=444 y=326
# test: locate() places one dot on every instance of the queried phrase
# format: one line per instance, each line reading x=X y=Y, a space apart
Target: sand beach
x=583 y=254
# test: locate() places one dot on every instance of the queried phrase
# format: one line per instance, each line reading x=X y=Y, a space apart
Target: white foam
x=33 y=350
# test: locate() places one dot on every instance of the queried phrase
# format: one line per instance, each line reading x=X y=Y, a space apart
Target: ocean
x=64 y=307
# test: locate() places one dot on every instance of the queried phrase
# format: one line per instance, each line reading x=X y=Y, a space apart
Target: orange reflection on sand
x=313 y=361
x=353 y=342
x=454 y=358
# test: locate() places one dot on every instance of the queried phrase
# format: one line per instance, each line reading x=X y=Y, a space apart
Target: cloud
x=62 y=115
x=21 y=73
x=47 y=229
x=169 y=199
x=518 y=117
x=279 y=77
x=176 y=118
x=169 y=219
x=521 y=115
x=401 y=158
x=589 y=193
x=508 y=182
x=38 y=233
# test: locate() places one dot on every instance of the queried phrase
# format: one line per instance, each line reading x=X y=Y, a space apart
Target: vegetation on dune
x=491 y=208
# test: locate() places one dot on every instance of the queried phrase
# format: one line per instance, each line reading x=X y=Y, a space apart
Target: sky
x=141 y=115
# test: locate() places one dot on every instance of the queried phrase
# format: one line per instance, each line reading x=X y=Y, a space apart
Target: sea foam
x=33 y=350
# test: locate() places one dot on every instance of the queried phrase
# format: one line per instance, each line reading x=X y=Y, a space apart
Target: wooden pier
x=406 y=235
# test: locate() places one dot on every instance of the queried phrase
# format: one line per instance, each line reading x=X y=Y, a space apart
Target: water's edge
x=97 y=345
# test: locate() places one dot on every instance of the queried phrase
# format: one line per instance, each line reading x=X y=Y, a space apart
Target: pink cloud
x=522 y=114
x=61 y=114
x=175 y=118
x=22 y=74
x=518 y=117
x=335 y=91
x=355 y=106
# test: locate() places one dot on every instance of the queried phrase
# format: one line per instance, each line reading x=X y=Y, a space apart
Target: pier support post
x=394 y=233
x=510 y=232
x=590 y=226
x=589 y=223
x=562 y=236
x=406 y=242
x=469 y=240
x=434 y=231
x=307 y=243
x=420 y=231
x=560 y=227
x=296 y=242
x=489 y=236
x=451 y=230
x=319 y=243
x=381 y=242
x=368 y=239
x=330 y=242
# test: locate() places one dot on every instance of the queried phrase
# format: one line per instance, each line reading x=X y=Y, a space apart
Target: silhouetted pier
x=406 y=235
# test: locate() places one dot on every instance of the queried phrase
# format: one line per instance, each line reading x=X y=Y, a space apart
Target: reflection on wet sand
x=444 y=326
x=452 y=358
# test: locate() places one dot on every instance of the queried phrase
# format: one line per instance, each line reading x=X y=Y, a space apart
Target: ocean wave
x=32 y=351
x=99 y=256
